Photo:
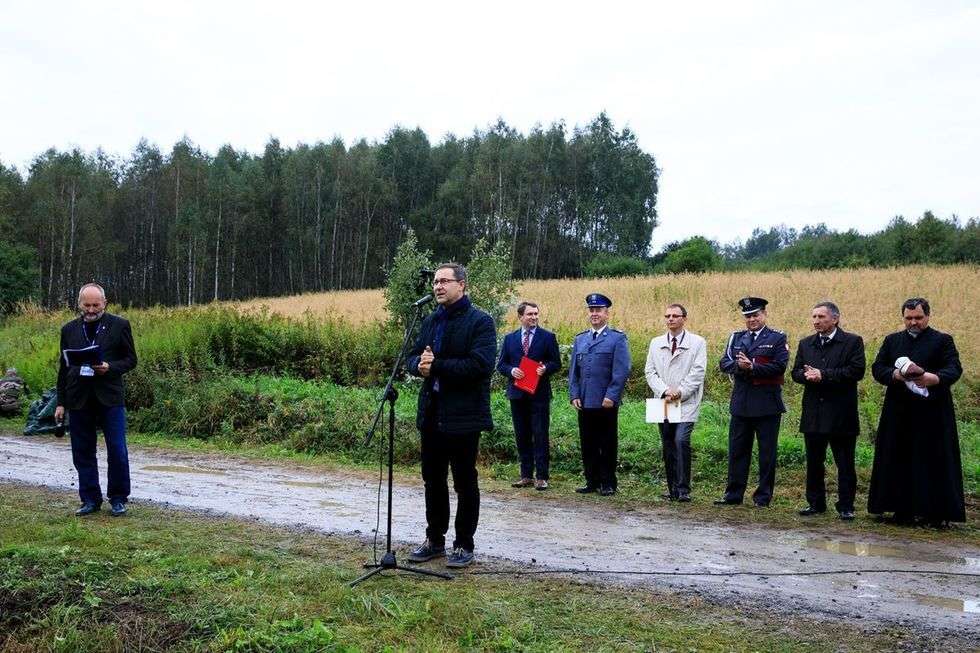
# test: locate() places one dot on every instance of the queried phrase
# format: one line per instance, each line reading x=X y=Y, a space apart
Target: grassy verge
x=159 y=580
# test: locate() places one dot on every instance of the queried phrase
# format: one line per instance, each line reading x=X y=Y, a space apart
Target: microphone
x=422 y=302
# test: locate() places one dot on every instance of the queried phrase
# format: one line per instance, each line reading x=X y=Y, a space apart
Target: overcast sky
x=758 y=113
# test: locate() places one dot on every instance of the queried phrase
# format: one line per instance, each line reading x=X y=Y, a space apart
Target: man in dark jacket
x=454 y=354
x=829 y=364
x=917 y=473
x=531 y=412
x=756 y=359
x=94 y=396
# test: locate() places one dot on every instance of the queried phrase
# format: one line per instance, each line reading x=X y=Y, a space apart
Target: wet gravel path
x=548 y=534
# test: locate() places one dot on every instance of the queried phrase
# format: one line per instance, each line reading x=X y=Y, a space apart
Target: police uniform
x=756 y=405
x=600 y=364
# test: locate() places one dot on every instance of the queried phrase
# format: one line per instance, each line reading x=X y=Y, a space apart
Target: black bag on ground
x=40 y=416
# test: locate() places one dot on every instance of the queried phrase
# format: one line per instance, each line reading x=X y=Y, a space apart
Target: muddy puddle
x=956 y=605
x=872 y=550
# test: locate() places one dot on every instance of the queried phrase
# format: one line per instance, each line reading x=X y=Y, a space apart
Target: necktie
x=595 y=334
x=526 y=343
x=754 y=334
x=823 y=341
x=673 y=345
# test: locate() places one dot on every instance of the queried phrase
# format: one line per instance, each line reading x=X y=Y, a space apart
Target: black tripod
x=388 y=560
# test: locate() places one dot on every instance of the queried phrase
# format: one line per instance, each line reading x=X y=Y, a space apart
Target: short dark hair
x=523 y=305
x=680 y=306
x=830 y=306
x=458 y=270
x=914 y=303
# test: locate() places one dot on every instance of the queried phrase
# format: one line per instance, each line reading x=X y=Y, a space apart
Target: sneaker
x=541 y=484
x=87 y=508
x=426 y=551
x=459 y=558
x=118 y=508
x=846 y=515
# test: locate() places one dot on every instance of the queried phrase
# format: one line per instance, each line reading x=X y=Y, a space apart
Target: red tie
x=526 y=344
x=673 y=345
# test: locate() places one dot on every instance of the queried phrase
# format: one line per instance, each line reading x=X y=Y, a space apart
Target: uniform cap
x=598 y=299
x=749 y=305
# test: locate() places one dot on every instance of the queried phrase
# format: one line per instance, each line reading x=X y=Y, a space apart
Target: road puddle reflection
x=182 y=469
x=958 y=605
x=869 y=550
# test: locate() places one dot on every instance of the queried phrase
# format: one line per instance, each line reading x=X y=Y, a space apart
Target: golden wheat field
x=869 y=300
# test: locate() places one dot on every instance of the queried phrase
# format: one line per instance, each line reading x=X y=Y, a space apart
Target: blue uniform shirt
x=758 y=391
x=599 y=367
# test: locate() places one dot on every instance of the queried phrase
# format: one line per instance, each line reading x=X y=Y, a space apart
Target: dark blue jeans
x=82 y=424
x=532 y=419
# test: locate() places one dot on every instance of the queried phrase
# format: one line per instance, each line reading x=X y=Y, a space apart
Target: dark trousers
x=598 y=430
x=842 y=446
x=440 y=453
x=82 y=425
x=532 y=420
x=742 y=431
x=675 y=441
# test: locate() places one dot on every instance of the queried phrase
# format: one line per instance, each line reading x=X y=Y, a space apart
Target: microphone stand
x=389 y=397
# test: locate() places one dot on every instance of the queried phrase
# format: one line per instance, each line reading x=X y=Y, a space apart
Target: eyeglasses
x=444 y=282
x=667 y=317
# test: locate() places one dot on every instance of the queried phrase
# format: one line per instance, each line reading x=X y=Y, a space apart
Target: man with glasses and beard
x=94 y=396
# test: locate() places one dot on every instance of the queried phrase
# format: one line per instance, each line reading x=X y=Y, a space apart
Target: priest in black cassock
x=917 y=473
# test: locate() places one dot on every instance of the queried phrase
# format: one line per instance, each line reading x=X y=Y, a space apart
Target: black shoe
x=118 y=508
x=426 y=551
x=724 y=501
x=809 y=511
x=760 y=504
x=88 y=508
x=846 y=515
x=607 y=491
x=684 y=498
x=668 y=496
x=586 y=489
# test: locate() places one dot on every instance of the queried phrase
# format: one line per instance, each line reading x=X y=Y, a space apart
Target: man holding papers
x=96 y=350
x=528 y=357
x=676 y=364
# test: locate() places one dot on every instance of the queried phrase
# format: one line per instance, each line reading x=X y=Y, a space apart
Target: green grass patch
x=159 y=580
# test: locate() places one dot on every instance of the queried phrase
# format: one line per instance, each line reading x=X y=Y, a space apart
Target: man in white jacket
x=676 y=364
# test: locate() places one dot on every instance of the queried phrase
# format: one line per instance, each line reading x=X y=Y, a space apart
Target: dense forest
x=187 y=226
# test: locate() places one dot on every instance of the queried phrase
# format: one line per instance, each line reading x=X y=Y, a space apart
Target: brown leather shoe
x=541 y=484
x=524 y=482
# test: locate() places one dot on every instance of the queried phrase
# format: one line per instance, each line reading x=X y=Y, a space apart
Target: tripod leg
x=360 y=579
x=426 y=572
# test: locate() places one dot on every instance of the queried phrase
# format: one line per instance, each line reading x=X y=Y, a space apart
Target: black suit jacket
x=544 y=349
x=116 y=340
x=831 y=406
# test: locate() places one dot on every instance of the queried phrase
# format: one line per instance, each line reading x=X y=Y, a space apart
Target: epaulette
x=617 y=330
x=582 y=333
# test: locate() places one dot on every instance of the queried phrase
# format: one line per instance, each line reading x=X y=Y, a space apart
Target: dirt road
x=547 y=534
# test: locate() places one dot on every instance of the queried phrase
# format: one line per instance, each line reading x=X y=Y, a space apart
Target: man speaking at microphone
x=454 y=354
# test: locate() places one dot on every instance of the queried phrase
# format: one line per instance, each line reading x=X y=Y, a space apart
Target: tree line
x=186 y=226
x=930 y=240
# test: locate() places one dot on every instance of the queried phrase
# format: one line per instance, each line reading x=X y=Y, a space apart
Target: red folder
x=766 y=380
x=529 y=383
